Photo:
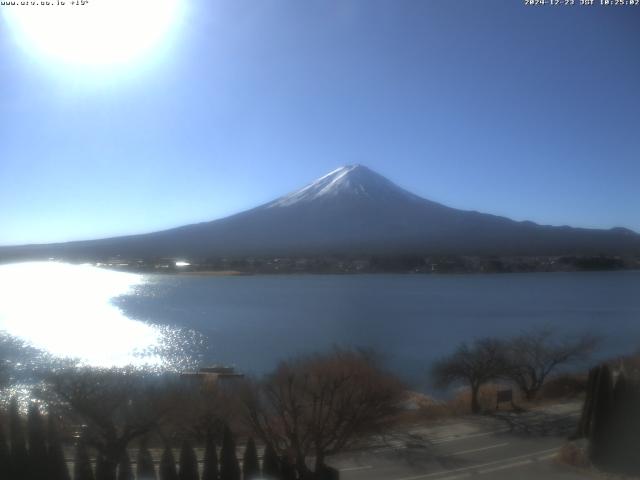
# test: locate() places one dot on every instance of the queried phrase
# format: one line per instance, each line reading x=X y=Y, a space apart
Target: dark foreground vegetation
x=611 y=416
x=113 y=424
x=70 y=423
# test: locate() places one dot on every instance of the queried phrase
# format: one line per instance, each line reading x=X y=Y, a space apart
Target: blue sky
x=527 y=112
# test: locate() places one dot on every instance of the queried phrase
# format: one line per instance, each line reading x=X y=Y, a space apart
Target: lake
x=254 y=321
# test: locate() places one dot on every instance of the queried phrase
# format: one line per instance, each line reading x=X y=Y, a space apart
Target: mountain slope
x=351 y=210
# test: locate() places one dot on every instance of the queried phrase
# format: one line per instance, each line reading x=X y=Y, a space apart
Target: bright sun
x=98 y=32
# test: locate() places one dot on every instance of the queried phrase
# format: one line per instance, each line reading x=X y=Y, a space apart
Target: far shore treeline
x=354 y=264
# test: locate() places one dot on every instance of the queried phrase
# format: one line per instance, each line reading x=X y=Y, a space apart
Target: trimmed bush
x=625 y=426
x=210 y=470
x=270 y=463
x=37 y=445
x=168 y=465
x=611 y=421
x=188 y=462
x=250 y=465
x=57 y=464
x=125 y=472
x=4 y=455
x=102 y=468
x=287 y=471
x=600 y=427
x=584 y=426
x=106 y=469
x=19 y=462
x=82 y=464
x=145 y=470
x=229 y=467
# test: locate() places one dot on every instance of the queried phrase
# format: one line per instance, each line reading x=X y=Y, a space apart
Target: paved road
x=507 y=446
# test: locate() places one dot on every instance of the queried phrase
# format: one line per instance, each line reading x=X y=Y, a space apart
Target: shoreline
x=207 y=273
x=237 y=273
x=358 y=266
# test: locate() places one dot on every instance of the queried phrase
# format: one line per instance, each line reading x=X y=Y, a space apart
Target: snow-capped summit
x=356 y=181
x=351 y=210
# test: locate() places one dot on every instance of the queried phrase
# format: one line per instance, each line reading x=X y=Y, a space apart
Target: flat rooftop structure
x=214 y=372
x=221 y=370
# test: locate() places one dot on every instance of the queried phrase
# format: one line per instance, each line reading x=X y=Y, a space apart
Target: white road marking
x=352 y=469
x=489 y=447
x=464 y=437
x=456 y=477
x=454 y=438
x=530 y=456
x=496 y=469
x=516 y=464
x=397 y=444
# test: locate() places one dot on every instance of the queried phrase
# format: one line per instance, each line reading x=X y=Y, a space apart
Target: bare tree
x=204 y=407
x=476 y=364
x=534 y=355
x=114 y=406
x=320 y=405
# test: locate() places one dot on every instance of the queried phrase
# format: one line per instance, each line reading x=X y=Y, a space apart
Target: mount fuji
x=352 y=211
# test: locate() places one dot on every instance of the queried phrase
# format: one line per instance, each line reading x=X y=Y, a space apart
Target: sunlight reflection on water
x=66 y=310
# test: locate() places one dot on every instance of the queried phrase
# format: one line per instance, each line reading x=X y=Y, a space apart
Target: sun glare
x=94 y=32
x=67 y=311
